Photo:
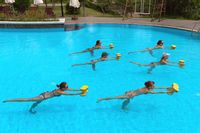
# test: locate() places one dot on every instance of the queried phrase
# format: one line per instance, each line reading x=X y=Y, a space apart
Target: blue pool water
x=33 y=61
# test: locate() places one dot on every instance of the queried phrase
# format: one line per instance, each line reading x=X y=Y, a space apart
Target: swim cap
x=166 y=54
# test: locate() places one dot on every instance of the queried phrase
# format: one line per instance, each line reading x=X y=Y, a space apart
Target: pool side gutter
x=15 y=24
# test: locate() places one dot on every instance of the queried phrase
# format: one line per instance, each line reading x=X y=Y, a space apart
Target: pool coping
x=39 y=24
x=168 y=23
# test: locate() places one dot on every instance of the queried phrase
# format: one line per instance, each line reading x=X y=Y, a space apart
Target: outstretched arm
x=70 y=94
x=139 y=64
x=158 y=92
x=161 y=87
x=70 y=89
x=170 y=63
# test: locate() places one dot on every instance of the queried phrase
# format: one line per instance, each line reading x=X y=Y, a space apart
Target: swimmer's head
x=104 y=55
x=165 y=54
x=98 y=43
x=63 y=86
x=149 y=84
x=160 y=43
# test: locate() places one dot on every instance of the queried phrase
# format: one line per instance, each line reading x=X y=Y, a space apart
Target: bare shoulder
x=58 y=91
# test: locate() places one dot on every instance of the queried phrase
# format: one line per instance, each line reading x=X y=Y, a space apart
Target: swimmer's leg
x=94 y=67
x=111 y=98
x=38 y=98
x=92 y=52
x=33 y=106
x=150 y=69
x=151 y=52
x=125 y=103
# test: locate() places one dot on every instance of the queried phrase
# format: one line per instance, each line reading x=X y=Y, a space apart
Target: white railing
x=196 y=27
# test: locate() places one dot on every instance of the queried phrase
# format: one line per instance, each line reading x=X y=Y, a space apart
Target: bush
x=21 y=5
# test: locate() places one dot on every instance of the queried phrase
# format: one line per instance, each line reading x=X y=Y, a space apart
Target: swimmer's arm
x=66 y=94
x=139 y=64
x=70 y=89
x=157 y=92
x=172 y=63
x=105 y=47
x=161 y=87
x=111 y=58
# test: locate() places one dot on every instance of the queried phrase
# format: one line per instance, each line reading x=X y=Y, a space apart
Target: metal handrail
x=194 y=27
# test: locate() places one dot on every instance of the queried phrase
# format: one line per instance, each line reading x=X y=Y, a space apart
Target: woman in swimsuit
x=149 y=86
x=159 y=45
x=91 y=50
x=104 y=57
x=163 y=61
x=47 y=95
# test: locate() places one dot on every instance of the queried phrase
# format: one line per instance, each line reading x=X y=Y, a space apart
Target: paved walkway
x=173 y=23
x=180 y=24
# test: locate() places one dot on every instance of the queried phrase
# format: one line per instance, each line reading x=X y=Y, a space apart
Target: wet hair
x=98 y=42
x=149 y=83
x=104 y=54
x=62 y=85
x=160 y=42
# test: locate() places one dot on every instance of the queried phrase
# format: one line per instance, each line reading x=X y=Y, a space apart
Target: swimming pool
x=35 y=60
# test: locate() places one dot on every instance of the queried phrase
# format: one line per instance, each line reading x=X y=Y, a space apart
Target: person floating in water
x=159 y=45
x=62 y=87
x=104 y=57
x=91 y=50
x=147 y=89
x=163 y=61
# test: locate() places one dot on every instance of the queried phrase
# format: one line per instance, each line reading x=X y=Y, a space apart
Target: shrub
x=21 y=5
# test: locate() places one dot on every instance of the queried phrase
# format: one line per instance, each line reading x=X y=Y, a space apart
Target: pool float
x=84 y=89
x=173 y=46
x=118 y=56
x=111 y=46
x=173 y=88
x=181 y=63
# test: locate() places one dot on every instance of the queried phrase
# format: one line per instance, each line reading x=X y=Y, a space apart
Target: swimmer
x=159 y=45
x=148 y=89
x=91 y=50
x=163 y=61
x=62 y=87
x=104 y=57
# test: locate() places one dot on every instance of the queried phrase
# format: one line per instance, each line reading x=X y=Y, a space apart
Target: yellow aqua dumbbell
x=173 y=46
x=118 y=56
x=84 y=90
x=111 y=46
x=181 y=63
x=173 y=88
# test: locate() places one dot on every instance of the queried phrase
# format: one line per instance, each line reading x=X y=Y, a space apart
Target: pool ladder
x=196 y=27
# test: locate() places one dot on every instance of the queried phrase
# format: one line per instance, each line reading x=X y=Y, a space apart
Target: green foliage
x=21 y=5
x=38 y=15
x=1 y=1
x=185 y=8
